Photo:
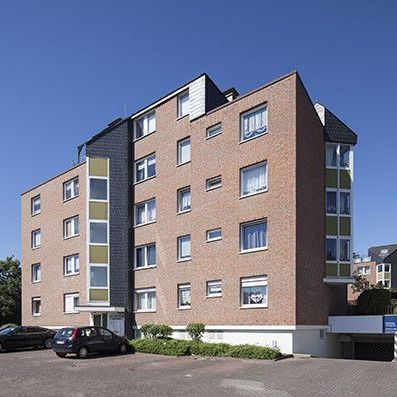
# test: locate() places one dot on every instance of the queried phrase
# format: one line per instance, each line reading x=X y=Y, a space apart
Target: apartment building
x=378 y=267
x=204 y=206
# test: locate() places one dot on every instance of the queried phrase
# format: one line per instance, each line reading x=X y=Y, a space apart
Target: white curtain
x=151 y=209
x=185 y=200
x=254 y=179
x=255 y=236
x=185 y=247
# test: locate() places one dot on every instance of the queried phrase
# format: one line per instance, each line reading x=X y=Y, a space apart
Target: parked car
x=83 y=341
x=19 y=337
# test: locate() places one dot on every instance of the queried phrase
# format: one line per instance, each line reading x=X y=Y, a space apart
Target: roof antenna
x=125 y=110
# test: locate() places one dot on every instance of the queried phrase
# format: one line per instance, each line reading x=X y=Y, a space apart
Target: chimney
x=230 y=94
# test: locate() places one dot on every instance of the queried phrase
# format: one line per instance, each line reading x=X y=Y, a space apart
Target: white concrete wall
x=197 y=98
x=316 y=342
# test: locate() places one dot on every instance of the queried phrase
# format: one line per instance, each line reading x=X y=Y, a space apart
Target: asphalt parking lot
x=41 y=373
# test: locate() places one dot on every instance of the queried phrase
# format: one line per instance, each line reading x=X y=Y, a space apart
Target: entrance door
x=116 y=323
x=100 y=320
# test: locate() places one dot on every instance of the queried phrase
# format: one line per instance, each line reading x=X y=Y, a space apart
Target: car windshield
x=65 y=332
x=6 y=331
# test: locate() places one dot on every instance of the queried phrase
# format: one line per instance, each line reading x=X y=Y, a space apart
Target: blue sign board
x=389 y=324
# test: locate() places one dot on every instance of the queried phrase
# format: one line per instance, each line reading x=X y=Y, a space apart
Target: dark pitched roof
x=381 y=252
x=337 y=131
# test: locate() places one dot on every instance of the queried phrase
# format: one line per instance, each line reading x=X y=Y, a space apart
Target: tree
x=10 y=291
x=360 y=283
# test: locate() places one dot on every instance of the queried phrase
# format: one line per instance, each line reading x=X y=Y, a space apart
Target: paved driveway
x=41 y=373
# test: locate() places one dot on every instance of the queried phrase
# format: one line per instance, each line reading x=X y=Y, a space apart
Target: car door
x=16 y=339
x=94 y=340
x=110 y=341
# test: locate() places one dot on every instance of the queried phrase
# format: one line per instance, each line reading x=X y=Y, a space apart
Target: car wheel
x=48 y=343
x=82 y=352
x=123 y=348
x=61 y=355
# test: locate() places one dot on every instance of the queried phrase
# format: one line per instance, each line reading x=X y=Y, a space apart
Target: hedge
x=161 y=331
x=373 y=301
x=177 y=347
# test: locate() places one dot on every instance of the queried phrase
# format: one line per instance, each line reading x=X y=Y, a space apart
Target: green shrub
x=160 y=331
x=373 y=302
x=195 y=330
x=251 y=351
x=168 y=347
x=210 y=349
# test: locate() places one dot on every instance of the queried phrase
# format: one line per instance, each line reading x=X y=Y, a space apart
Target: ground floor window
x=145 y=300
x=254 y=291
x=70 y=302
x=36 y=306
x=184 y=296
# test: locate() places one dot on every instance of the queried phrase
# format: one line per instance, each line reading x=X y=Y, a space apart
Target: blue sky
x=69 y=68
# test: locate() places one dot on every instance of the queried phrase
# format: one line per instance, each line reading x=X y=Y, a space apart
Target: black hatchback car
x=19 y=337
x=83 y=341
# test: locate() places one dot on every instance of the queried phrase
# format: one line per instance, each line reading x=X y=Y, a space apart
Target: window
x=98 y=276
x=344 y=250
x=214 y=131
x=98 y=232
x=344 y=156
x=36 y=306
x=387 y=268
x=363 y=270
x=145 y=168
x=70 y=301
x=98 y=189
x=36 y=205
x=71 y=265
x=71 y=227
x=145 y=125
x=214 y=183
x=214 y=234
x=184 y=151
x=145 y=256
x=71 y=189
x=36 y=238
x=36 y=273
x=145 y=212
x=184 y=248
x=183 y=104
x=384 y=251
x=380 y=268
x=386 y=283
x=344 y=203
x=254 y=292
x=253 y=179
x=145 y=300
x=184 y=203
x=214 y=288
x=331 y=155
x=331 y=202
x=184 y=296
x=253 y=236
x=254 y=123
x=331 y=249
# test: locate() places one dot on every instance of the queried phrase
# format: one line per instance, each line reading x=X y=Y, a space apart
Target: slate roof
x=337 y=131
x=380 y=253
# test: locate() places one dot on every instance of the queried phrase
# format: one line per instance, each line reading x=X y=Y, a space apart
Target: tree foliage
x=10 y=291
x=360 y=283
x=373 y=301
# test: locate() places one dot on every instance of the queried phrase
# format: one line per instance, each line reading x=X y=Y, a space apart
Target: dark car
x=19 y=337
x=83 y=341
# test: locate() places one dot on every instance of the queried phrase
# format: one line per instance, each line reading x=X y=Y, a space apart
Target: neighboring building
x=204 y=206
x=379 y=267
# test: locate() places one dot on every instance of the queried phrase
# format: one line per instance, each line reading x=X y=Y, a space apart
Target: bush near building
x=373 y=302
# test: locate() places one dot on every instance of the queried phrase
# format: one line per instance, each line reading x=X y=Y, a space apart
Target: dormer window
x=145 y=125
x=183 y=104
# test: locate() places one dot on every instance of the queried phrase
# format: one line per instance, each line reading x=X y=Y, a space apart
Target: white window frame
x=145 y=203
x=145 y=257
x=145 y=119
x=179 y=152
x=180 y=288
x=214 y=283
x=73 y=183
x=179 y=200
x=251 y=223
x=339 y=201
x=107 y=231
x=33 y=200
x=73 y=227
x=260 y=164
x=73 y=296
x=340 y=239
x=330 y=237
x=209 y=239
x=33 y=235
x=36 y=299
x=211 y=180
x=74 y=272
x=332 y=190
x=180 y=96
x=107 y=276
x=252 y=282
x=107 y=189
x=145 y=161
x=338 y=157
x=248 y=113
x=34 y=266
x=179 y=246
x=146 y=292
x=217 y=127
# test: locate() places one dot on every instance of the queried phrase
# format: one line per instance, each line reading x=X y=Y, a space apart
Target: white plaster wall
x=197 y=98
x=317 y=343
